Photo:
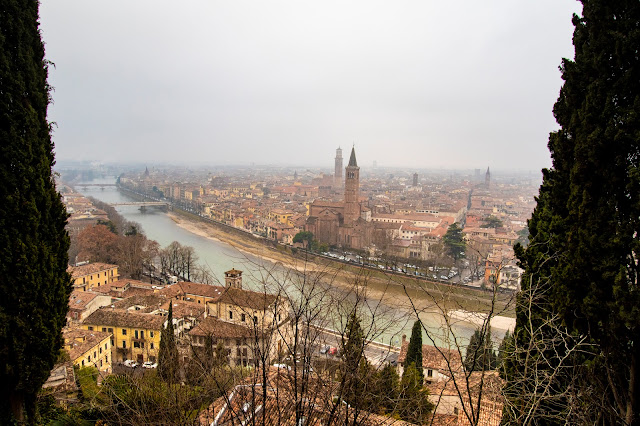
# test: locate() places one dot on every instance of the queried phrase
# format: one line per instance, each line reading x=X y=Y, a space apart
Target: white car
x=130 y=363
x=150 y=364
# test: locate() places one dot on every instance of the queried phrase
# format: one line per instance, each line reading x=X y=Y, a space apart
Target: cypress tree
x=168 y=352
x=582 y=259
x=414 y=351
x=352 y=343
x=33 y=241
x=480 y=355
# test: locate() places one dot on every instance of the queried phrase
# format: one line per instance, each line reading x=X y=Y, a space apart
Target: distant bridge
x=140 y=203
x=143 y=204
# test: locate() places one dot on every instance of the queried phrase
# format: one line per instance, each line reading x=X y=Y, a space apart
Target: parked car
x=333 y=351
x=325 y=349
x=130 y=363
x=150 y=364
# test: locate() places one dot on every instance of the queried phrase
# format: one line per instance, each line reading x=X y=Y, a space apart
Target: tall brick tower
x=352 y=190
x=487 y=179
x=337 y=177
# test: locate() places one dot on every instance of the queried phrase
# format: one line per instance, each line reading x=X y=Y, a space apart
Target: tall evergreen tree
x=413 y=403
x=352 y=356
x=33 y=241
x=582 y=259
x=480 y=355
x=168 y=352
x=414 y=351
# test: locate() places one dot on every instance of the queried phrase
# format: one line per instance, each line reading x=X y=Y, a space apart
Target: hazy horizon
x=419 y=85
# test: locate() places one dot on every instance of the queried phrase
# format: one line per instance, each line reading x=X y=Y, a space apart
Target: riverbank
x=420 y=295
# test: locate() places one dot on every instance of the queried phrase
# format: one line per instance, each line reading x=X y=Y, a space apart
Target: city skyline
x=413 y=85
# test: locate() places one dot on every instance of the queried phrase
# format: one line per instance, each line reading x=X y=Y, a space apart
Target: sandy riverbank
x=393 y=289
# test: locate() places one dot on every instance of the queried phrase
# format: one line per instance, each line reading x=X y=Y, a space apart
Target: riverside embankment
x=221 y=247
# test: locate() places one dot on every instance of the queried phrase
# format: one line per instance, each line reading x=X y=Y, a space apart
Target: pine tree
x=414 y=351
x=581 y=261
x=33 y=241
x=454 y=242
x=168 y=352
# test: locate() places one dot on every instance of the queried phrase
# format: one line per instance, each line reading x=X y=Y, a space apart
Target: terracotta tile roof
x=185 y=309
x=79 y=299
x=122 y=318
x=89 y=268
x=195 y=289
x=78 y=341
x=149 y=302
x=245 y=403
x=435 y=358
x=247 y=298
x=218 y=328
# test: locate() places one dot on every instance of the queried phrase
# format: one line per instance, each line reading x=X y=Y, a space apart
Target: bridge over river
x=144 y=204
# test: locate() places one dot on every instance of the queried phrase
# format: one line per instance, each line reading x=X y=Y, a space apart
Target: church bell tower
x=337 y=177
x=351 y=190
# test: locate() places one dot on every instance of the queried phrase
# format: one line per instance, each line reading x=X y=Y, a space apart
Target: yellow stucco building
x=88 y=348
x=135 y=335
x=93 y=275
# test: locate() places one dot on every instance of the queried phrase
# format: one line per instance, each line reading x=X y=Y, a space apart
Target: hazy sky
x=422 y=84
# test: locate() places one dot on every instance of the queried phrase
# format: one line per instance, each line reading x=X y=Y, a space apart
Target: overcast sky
x=421 y=84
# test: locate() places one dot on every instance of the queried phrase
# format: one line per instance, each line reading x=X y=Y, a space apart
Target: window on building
x=100 y=363
x=255 y=319
x=101 y=350
x=242 y=317
x=112 y=344
x=124 y=331
x=141 y=334
x=136 y=334
x=104 y=329
x=90 y=328
x=151 y=345
x=83 y=362
x=124 y=344
x=110 y=330
x=89 y=358
x=429 y=373
x=230 y=314
x=151 y=334
x=238 y=342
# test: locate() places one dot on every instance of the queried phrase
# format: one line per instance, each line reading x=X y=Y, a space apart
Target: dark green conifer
x=480 y=355
x=33 y=241
x=168 y=352
x=413 y=404
x=582 y=260
x=414 y=351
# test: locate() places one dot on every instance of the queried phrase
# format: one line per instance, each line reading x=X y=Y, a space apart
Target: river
x=396 y=313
